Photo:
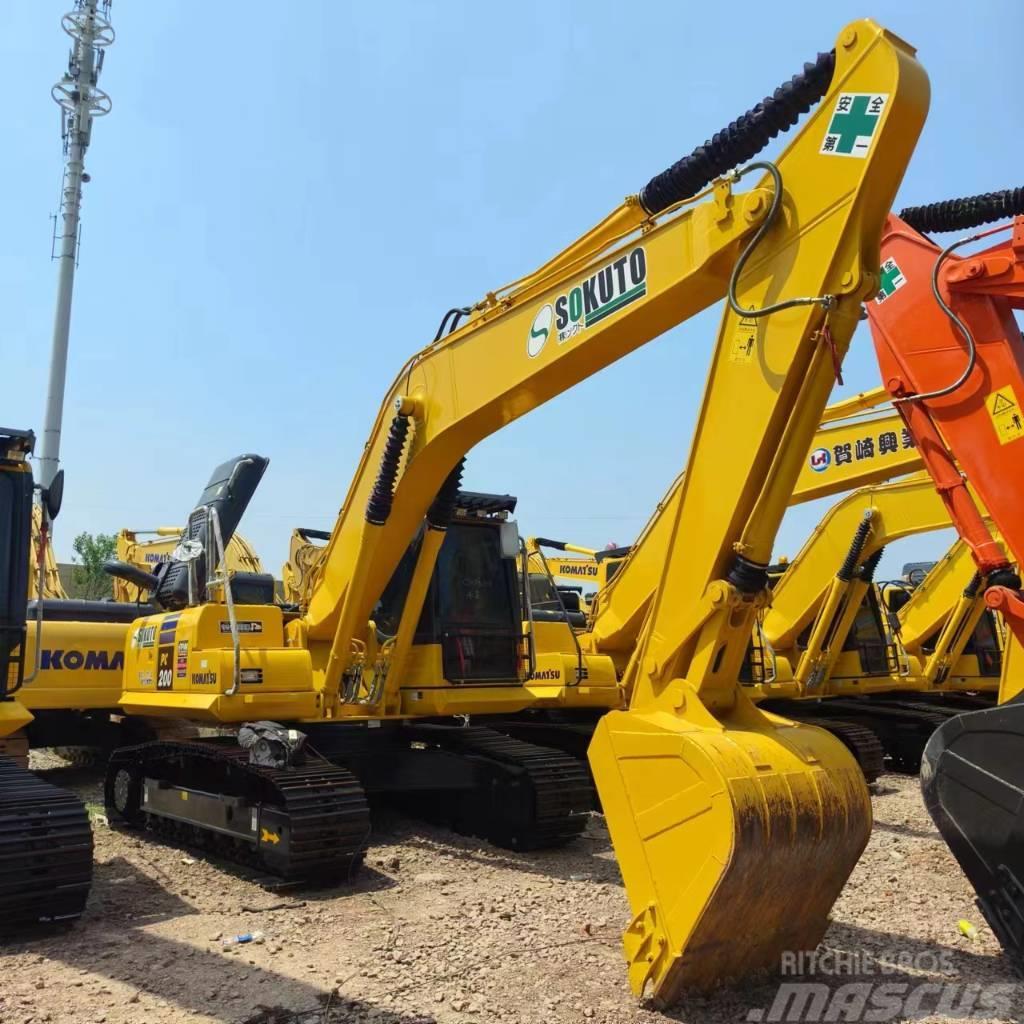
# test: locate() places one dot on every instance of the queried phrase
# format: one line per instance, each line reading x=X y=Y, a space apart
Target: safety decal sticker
x=890 y=280
x=181 y=664
x=1005 y=413
x=168 y=628
x=244 y=626
x=144 y=636
x=743 y=341
x=164 y=670
x=853 y=123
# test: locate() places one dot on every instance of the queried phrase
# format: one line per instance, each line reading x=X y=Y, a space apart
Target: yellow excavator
x=558 y=582
x=830 y=631
x=305 y=549
x=827 y=650
x=944 y=622
x=51 y=584
x=705 y=796
x=46 y=866
x=71 y=694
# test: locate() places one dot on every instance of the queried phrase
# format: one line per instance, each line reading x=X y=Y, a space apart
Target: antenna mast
x=80 y=100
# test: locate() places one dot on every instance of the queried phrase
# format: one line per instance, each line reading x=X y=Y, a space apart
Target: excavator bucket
x=972 y=778
x=718 y=822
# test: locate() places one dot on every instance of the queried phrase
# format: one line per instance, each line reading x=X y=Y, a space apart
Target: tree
x=92 y=551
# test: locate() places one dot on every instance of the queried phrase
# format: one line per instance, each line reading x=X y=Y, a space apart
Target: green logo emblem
x=539 y=331
x=890 y=280
x=853 y=123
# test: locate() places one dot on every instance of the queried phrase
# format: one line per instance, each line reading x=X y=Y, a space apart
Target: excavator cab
x=15 y=529
x=869 y=638
x=184 y=578
x=472 y=605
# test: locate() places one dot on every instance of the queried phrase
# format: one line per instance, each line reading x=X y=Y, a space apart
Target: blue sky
x=286 y=198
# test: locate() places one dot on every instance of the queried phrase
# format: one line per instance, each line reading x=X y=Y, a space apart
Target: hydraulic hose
x=972 y=588
x=955 y=215
x=966 y=212
x=442 y=508
x=866 y=573
x=378 y=507
x=742 y=139
x=860 y=536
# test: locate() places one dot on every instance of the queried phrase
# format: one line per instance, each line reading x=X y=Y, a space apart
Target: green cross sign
x=890 y=278
x=856 y=122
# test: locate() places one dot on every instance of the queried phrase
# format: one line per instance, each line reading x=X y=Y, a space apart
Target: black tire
x=123 y=794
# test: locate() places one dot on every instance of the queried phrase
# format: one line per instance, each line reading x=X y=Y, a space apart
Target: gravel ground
x=438 y=928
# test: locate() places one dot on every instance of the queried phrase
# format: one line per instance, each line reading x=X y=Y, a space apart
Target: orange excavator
x=952 y=357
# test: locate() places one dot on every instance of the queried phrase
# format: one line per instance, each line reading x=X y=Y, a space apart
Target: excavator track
x=45 y=851
x=309 y=822
x=859 y=740
x=903 y=727
x=527 y=797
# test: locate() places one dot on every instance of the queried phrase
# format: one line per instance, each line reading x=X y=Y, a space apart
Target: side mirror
x=508 y=534
x=53 y=495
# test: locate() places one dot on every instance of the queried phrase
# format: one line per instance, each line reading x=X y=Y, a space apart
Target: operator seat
x=228 y=492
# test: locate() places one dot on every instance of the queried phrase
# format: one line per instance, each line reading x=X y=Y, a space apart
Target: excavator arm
x=951 y=355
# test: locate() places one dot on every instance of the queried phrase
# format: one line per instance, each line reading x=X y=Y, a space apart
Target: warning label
x=743 y=341
x=1005 y=412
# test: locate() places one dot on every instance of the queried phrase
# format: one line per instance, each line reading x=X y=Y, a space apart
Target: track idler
x=735 y=834
x=972 y=778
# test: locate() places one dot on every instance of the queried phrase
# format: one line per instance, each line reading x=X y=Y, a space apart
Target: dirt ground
x=438 y=928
